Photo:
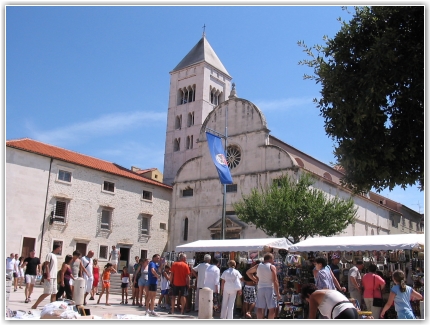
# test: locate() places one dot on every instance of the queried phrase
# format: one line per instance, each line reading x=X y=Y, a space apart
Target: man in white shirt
x=10 y=265
x=87 y=262
x=199 y=272
x=50 y=283
x=212 y=276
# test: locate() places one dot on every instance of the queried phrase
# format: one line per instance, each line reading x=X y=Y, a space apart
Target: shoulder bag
x=377 y=302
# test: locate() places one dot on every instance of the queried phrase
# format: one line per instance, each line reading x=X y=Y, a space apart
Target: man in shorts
x=50 y=283
x=267 y=287
x=180 y=278
x=10 y=265
x=114 y=257
x=87 y=262
x=32 y=270
x=153 y=277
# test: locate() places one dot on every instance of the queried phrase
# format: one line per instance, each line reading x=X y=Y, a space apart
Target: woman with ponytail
x=401 y=294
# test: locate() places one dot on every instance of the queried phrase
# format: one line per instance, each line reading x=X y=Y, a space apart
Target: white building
x=255 y=159
x=54 y=195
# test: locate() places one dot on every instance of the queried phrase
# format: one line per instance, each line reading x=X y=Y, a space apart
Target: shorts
x=180 y=289
x=249 y=294
x=50 y=287
x=142 y=282
x=136 y=285
x=106 y=284
x=266 y=298
x=165 y=292
x=15 y=275
x=124 y=285
x=152 y=287
x=89 y=284
x=30 y=279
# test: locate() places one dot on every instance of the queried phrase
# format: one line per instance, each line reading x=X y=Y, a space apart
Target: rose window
x=233 y=156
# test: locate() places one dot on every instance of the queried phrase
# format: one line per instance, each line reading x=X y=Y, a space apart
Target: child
x=106 y=282
x=125 y=279
x=401 y=294
x=165 y=284
x=361 y=313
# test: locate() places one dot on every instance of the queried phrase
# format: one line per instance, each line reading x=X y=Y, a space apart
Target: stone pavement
x=16 y=303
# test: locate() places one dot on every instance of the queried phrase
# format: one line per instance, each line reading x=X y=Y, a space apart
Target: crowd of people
x=257 y=285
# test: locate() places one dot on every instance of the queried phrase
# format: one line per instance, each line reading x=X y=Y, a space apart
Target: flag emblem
x=221 y=159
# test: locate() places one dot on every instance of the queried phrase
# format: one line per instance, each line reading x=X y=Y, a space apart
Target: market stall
x=243 y=251
x=388 y=252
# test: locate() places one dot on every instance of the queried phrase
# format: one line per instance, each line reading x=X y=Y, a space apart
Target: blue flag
x=218 y=157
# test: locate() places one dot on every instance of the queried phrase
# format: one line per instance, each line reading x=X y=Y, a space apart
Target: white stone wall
x=86 y=199
x=26 y=178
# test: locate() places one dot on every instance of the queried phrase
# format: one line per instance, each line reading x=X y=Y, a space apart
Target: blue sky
x=95 y=79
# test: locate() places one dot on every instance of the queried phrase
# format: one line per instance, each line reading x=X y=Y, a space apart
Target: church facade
x=255 y=157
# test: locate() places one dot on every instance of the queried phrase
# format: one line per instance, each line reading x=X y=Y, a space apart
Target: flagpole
x=224 y=185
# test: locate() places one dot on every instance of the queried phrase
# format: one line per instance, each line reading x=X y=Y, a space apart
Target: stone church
x=201 y=96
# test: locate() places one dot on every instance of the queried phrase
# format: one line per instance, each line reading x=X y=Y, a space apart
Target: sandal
x=108 y=305
x=121 y=303
x=126 y=301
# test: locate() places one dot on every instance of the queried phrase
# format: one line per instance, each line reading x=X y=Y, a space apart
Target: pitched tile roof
x=47 y=150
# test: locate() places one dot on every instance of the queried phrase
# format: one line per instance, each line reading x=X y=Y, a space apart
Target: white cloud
x=100 y=127
x=284 y=104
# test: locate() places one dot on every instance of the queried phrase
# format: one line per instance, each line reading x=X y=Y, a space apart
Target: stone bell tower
x=197 y=85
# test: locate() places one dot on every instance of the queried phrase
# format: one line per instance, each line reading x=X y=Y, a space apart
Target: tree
x=294 y=210
x=372 y=97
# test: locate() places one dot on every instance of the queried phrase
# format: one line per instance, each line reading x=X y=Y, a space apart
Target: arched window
x=214 y=95
x=177 y=144
x=178 y=122
x=327 y=176
x=300 y=162
x=188 y=142
x=186 y=229
x=190 y=120
x=187 y=95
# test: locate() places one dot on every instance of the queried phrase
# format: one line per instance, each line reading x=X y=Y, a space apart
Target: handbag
x=377 y=302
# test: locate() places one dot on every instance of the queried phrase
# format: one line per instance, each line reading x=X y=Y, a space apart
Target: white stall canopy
x=234 y=245
x=355 y=243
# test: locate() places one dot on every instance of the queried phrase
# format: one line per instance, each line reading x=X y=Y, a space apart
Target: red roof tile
x=44 y=149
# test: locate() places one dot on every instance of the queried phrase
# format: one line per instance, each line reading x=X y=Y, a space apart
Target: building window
x=163 y=226
x=187 y=95
x=106 y=220
x=146 y=220
x=215 y=95
x=186 y=229
x=190 y=142
x=60 y=211
x=233 y=156
x=64 y=176
x=410 y=224
x=190 y=120
x=143 y=254
x=108 y=186
x=147 y=195
x=178 y=122
x=177 y=144
x=327 y=176
x=187 y=192
x=231 y=188
x=103 y=252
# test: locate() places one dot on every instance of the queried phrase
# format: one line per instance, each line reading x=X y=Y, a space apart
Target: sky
x=95 y=79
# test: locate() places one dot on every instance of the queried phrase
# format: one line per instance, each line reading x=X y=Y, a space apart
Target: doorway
x=28 y=244
x=124 y=258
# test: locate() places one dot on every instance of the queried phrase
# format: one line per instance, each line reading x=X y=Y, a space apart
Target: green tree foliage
x=372 y=97
x=294 y=210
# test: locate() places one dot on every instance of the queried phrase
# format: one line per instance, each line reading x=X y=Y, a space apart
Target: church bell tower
x=197 y=85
